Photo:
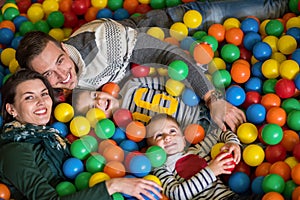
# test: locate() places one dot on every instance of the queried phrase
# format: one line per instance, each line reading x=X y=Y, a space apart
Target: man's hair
x=31 y=45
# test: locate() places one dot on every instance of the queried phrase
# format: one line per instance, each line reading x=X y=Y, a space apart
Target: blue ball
x=18 y=20
x=121 y=14
x=61 y=127
x=235 y=95
x=6 y=36
x=127 y=196
x=119 y=135
x=256 y=70
x=294 y=32
x=250 y=39
x=152 y=194
x=16 y=41
x=186 y=43
x=262 y=51
x=256 y=185
x=72 y=167
x=253 y=84
x=189 y=97
x=104 y=13
x=296 y=56
x=297 y=81
x=256 y=113
x=129 y=146
x=140 y=166
x=249 y=25
x=239 y=182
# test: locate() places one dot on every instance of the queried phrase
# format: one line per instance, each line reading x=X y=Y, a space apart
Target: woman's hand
x=134 y=187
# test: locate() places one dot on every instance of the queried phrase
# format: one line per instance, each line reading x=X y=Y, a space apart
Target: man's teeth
x=67 y=79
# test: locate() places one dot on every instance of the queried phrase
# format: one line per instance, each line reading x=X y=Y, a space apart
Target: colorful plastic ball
x=157 y=4
x=6 y=36
x=61 y=127
x=194 y=133
x=295 y=32
x=274 y=153
x=256 y=185
x=80 y=126
x=70 y=19
x=231 y=22
x=289 y=140
x=26 y=27
x=251 y=98
x=272 y=195
x=178 y=30
x=272 y=134
x=135 y=131
x=114 y=169
x=295 y=174
x=296 y=151
x=10 y=13
x=18 y=20
x=105 y=128
x=113 y=152
x=99 y=4
x=239 y=182
x=285 y=88
x=249 y=25
x=65 y=188
x=215 y=150
x=80 y=149
x=199 y=34
x=23 y=5
x=111 y=88
x=153 y=178
x=94 y=115
x=72 y=167
x=297 y=81
x=234 y=36
x=140 y=166
x=250 y=39
x=129 y=145
x=269 y=86
x=262 y=51
x=82 y=180
x=296 y=193
x=95 y=163
x=189 y=97
x=139 y=70
x=240 y=72
x=203 y=53
x=174 y=88
x=4 y=192
x=282 y=169
x=63 y=112
x=105 y=143
x=270 y=100
x=235 y=95
x=119 y=135
x=263 y=169
x=35 y=13
x=42 y=26
x=218 y=31
x=57 y=33
x=253 y=155
x=79 y=7
x=256 y=70
x=253 y=84
x=273 y=183
x=186 y=43
x=192 y=19
x=130 y=5
x=104 y=13
x=274 y=27
x=178 y=70
x=120 y=14
x=211 y=40
x=276 y=115
x=288 y=69
x=256 y=113
x=287 y=44
x=8 y=24
x=56 y=19
x=98 y=177
x=122 y=117
x=221 y=78
x=156 y=32
x=290 y=186
x=247 y=133
x=156 y=155
x=230 y=53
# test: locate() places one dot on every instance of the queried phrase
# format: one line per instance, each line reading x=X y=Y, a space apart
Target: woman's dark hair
x=32 y=45
x=8 y=90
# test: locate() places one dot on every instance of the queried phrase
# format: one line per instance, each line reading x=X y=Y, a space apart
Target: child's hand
x=220 y=165
x=234 y=149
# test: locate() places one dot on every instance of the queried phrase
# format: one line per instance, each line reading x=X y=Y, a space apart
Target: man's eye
x=48 y=74
x=60 y=61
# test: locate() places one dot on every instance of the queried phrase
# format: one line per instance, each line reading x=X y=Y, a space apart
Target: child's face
x=166 y=134
x=96 y=99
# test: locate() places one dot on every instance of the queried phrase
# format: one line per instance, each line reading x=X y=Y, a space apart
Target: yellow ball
x=94 y=115
x=50 y=6
x=179 y=30
x=35 y=13
x=97 y=178
x=174 y=88
x=57 y=33
x=192 y=19
x=217 y=63
x=287 y=44
x=216 y=149
x=293 y=22
x=253 y=155
x=8 y=5
x=156 y=32
x=280 y=57
x=63 y=112
x=13 y=66
x=262 y=27
x=272 y=41
x=67 y=32
x=162 y=71
x=289 y=69
x=270 y=68
x=291 y=161
x=80 y=126
x=144 y=1
x=247 y=133
x=7 y=55
x=231 y=23
x=153 y=178
x=99 y=3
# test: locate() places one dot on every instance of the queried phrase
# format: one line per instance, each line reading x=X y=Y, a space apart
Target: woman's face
x=96 y=99
x=32 y=103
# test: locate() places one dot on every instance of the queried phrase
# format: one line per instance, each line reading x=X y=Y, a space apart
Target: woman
x=32 y=153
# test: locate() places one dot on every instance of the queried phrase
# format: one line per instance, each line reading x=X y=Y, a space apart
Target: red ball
x=245 y=53
x=79 y=7
x=228 y=163
x=23 y=5
x=252 y=97
x=243 y=167
x=139 y=70
x=296 y=151
x=285 y=88
x=111 y=88
x=143 y=8
x=71 y=19
x=275 y=153
x=122 y=117
x=71 y=137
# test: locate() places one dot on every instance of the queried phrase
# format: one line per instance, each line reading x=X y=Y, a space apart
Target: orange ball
x=4 y=192
x=135 y=131
x=194 y=133
x=240 y=72
x=8 y=24
x=296 y=193
x=270 y=100
x=282 y=169
x=218 y=31
x=113 y=152
x=289 y=140
x=115 y=169
x=105 y=143
x=234 y=36
x=111 y=88
x=296 y=174
x=65 y=5
x=130 y=6
x=263 y=169
x=203 y=53
x=272 y=196
x=276 y=115
x=91 y=14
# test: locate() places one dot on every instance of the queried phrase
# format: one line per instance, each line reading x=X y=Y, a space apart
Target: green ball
x=221 y=78
x=178 y=70
x=56 y=19
x=95 y=163
x=274 y=27
x=156 y=155
x=230 y=53
x=269 y=86
x=212 y=41
x=199 y=34
x=92 y=142
x=157 y=4
x=273 y=183
x=172 y=3
x=80 y=149
x=115 y=4
x=42 y=25
x=65 y=188
x=293 y=120
x=26 y=27
x=10 y=13
x=117 y=196
x=272 y=134
x=82 y=180
x=105 y=128
x=290 y=186
x=293 y=6
x=290 y=104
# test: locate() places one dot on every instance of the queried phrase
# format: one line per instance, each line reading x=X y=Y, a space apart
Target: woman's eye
x=28 y=97
x=45 y=94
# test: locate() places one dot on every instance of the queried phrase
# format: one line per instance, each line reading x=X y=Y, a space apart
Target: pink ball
x=139 y=70
x=122 y=117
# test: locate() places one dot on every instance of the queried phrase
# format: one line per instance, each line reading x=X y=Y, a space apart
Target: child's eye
x=158 y=136
x=173 y=131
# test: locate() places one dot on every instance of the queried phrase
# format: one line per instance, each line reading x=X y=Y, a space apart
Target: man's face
x=56 y=65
